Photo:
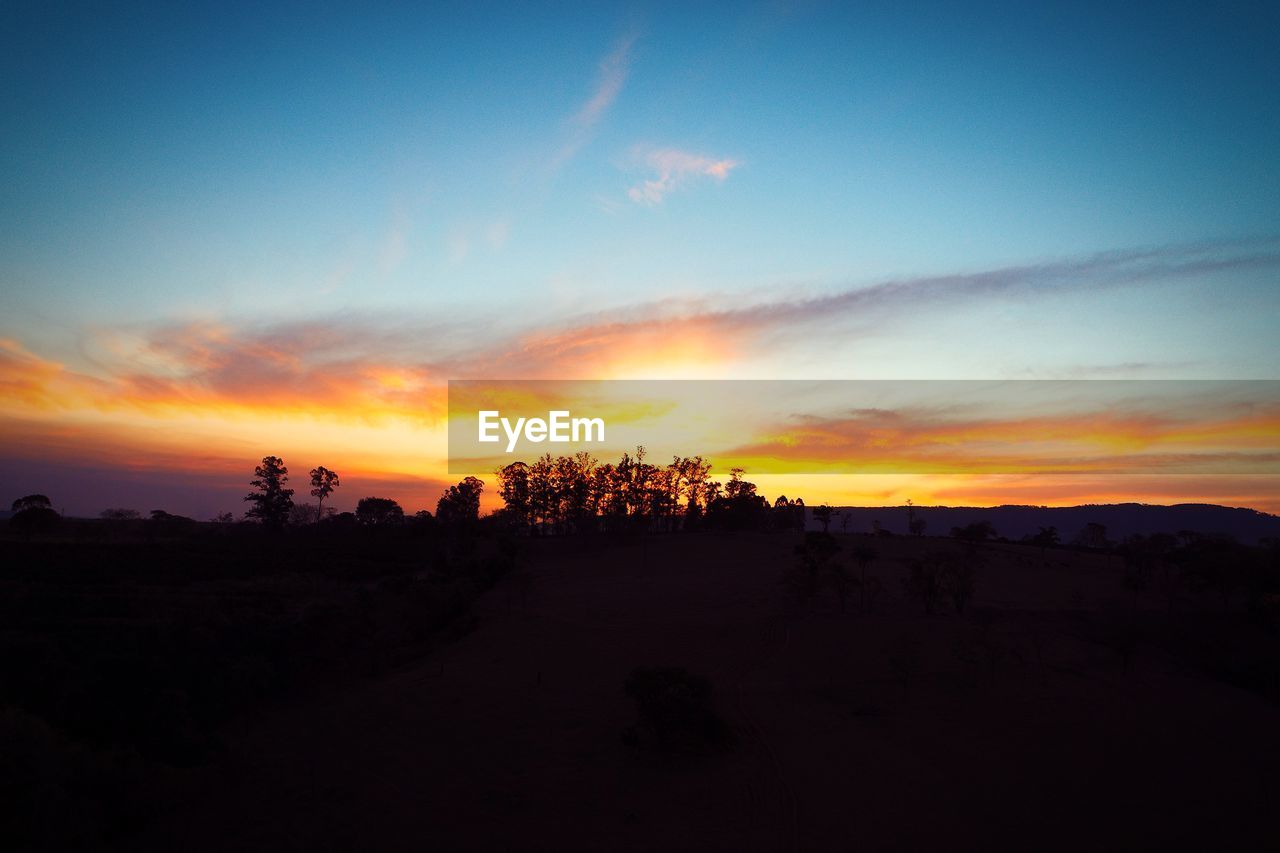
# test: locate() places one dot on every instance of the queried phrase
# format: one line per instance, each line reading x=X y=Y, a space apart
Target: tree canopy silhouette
x=271 y=500
x=579 y=493
x=461 y=503
x=379 y=512
x=31 y=502
x=34 y=514
x=323 y=482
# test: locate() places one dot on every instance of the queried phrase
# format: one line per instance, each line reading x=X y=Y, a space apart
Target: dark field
x=410 y=690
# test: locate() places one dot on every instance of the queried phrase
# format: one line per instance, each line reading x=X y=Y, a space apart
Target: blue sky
x=223 y=160
x=455 y=181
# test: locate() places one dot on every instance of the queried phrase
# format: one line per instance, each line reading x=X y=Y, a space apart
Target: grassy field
x=1061 y=709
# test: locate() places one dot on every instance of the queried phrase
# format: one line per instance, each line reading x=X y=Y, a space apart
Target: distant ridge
x=1121 y=520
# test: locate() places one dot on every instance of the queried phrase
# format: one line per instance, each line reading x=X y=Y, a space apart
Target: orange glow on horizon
x=212 y=405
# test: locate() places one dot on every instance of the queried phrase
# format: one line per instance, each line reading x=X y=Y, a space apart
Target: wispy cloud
x=611 y=77
x=613 y=74
x=1188 y=428
x=366 y=367
x=674 y=169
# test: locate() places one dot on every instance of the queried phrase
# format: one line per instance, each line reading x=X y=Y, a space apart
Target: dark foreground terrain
x=429 y=695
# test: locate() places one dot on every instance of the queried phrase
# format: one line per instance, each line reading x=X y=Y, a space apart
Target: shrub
x=675 y=713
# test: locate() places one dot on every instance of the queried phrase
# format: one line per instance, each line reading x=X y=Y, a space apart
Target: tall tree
x=822 y=514
x=271 y=500
x=460 y=503
x=323 y=482
x=864 y=556
x=513 y=488
x=738 y=487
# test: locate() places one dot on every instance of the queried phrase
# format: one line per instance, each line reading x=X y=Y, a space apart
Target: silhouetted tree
x=739 y=507
x=300 y=515
x=692 y=479
x=1093 y=535
x=165 y=517
x=34 y=514
x=1212 y=562
x=1046 y=537
x=577 y=493
x=864 y=555
x=271 y=500
x=674 y=709
x=781 y=515
x=823 y=516
x=737 y=486
x=576 y=500
x=31 y=502
x=167 y=524
x=379 y=512
x=959 y=577
x=1141 y=555
x=323 y=482
x=813 y=566
x=924 y=583
x=976 y=532
x=513 y=488
x=461 y=503
x=838 y=578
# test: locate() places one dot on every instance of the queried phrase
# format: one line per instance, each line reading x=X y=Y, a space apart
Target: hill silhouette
x=1121 y=520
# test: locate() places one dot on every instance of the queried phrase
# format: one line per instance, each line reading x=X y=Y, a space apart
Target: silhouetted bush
x=924 y=582
x=976 y=532
x=675 y=713
x=166 y=524
x=379 y=512
x=960 y=576
x=56 y=794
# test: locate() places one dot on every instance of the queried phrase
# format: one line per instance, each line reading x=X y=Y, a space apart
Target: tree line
x=271 y=501
x=566 y=494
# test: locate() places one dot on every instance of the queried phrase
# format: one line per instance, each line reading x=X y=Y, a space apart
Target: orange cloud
x=370 y=394
x=1247 y=442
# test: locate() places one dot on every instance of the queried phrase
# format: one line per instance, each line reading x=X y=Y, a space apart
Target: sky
x=227 y=232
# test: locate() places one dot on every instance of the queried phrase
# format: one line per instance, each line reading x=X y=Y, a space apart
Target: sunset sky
x=227 y=233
